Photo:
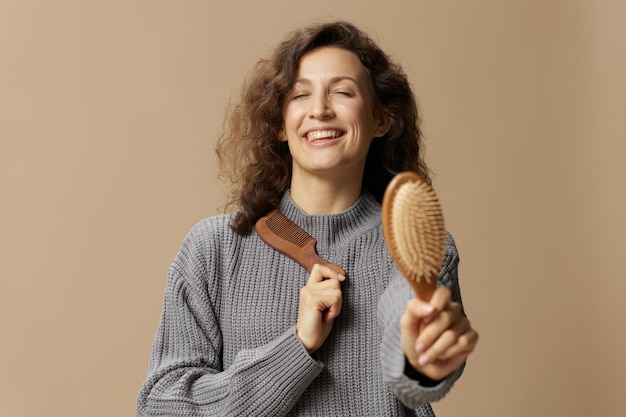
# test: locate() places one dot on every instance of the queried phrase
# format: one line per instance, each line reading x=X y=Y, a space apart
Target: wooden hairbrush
x=285 y=236
x=414 y=231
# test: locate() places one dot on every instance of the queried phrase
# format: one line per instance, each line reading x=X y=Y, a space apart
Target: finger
x=440 y=298
x=320 y=295
x=435 y=325
x=444 y=342
x=322 y=272
x=439 y=301
x=439 y=369
x=334 y=308
x=409 y=322
x=464 y=345
x=339 y=270
x=317 y=310
x=328 y=285
x=419 y=309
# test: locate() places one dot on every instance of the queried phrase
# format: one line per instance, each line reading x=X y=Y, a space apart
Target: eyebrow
x=333 y=80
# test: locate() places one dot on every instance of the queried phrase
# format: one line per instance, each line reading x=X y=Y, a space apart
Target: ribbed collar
x=331 y=230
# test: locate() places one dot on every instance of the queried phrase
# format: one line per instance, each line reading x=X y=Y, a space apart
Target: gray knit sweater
x=226 y=343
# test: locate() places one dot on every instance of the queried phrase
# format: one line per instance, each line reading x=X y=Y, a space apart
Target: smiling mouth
x=323 y=134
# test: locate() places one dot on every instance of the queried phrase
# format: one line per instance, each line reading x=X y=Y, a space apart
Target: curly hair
x=258 y=164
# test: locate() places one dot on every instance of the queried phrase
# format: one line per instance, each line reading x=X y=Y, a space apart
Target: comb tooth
x=286 y=229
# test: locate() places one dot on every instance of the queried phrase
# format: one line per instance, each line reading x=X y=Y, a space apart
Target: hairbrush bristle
x=414 y=231
x=418 y=231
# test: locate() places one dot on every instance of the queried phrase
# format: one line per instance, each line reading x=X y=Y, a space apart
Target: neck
x=320 y=195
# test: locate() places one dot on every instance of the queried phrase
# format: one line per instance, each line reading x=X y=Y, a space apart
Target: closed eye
x=346 y=93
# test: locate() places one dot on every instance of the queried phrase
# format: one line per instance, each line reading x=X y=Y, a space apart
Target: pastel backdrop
x=109 y=111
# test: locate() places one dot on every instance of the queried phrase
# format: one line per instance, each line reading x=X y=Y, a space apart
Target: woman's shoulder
x=213 y=223
x=205 y=242
x=451 y=251
x=211 y=229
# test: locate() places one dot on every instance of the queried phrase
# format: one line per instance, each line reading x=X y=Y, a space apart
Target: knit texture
x=226 y=344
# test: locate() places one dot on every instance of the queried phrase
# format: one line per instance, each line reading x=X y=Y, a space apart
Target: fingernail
x=420 y=347
x=423 y=360
x=426 y=308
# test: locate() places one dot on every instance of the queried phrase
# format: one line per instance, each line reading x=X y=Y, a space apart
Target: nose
x=321 y=107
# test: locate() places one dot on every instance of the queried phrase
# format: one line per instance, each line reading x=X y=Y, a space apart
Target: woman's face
x=329 y=117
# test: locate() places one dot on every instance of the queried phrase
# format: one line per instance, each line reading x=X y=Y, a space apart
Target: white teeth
x=323 y=134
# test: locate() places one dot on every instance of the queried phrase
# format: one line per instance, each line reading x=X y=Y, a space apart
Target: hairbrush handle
x=423 y=290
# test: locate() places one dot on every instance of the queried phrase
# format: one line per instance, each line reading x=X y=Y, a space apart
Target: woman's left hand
x=435 y=336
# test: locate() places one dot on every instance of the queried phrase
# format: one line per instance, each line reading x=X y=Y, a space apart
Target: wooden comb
x=285 y=236
x=414 y=231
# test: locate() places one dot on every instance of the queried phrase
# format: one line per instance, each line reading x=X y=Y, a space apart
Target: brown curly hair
x=250 y=153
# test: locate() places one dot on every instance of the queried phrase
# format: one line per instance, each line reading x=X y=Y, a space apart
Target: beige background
x=108 y=115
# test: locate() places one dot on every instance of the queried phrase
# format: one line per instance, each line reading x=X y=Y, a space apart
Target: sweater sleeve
x=391 y=307
x=186 y=376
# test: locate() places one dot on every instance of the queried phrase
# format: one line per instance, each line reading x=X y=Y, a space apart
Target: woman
x=319 y=131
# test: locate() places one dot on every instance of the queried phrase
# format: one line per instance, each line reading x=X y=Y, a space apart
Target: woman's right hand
x=320 y=304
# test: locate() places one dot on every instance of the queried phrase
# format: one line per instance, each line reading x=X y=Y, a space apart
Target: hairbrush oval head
x=414 y=231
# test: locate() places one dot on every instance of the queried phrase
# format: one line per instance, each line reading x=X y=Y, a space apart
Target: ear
x=383 y=126
x=281 y=135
